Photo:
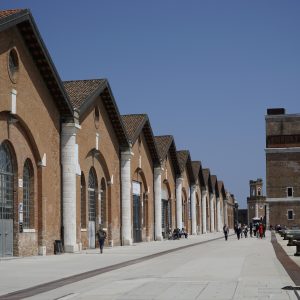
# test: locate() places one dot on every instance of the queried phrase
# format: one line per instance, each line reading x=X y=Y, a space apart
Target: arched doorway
x=103 y=197
x=6 y=201
x=137 y=211
x=92 y=200
x=166 y=210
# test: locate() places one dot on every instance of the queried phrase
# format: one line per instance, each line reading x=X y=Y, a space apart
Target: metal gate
x=6 y=202
x=137 y=220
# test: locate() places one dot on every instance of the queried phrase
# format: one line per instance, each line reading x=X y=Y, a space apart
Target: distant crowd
x=241 y=230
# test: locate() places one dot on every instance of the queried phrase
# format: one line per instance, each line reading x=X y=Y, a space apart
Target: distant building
x=256 y=202
x=283 y=167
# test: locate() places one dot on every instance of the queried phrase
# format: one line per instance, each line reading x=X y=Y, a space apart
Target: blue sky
x=204 y=71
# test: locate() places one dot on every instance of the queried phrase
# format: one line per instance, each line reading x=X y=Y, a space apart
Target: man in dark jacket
x=101 y=234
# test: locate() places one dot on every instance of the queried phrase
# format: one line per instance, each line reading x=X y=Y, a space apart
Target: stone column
x=256 y=210
x=226 y=213
x=193 y=209
x=126 y=196
x=212 y=213
x=69 y=165
x=219 y=220
x=204 y=229
x=179 y=202
x=267 y=216
x=157 y=198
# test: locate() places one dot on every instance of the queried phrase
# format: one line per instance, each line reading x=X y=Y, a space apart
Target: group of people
x=257 y=230
x=177 y=234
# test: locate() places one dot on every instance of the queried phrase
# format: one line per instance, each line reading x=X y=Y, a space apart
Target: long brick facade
x=70 y=163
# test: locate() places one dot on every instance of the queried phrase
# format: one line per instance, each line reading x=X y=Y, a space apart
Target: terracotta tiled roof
x=221 y=188
x=182 y=158
x=206 y=175
x=134 y=125
x=163 y=144
x=196 y=168
x=79 y=91
x=9 y=12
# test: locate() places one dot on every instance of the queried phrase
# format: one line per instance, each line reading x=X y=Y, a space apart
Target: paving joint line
x=48 y=286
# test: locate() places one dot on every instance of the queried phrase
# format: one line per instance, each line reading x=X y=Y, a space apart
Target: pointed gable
x=214 y=183
x=184 y=160
x=221 y=188
x=83 y=94
x=136 y=124
x=165 y=144
x=25 y=24
x=207 y=179
x=198 y=173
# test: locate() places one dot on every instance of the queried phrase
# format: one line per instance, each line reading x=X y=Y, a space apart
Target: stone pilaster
x=193 y=209
x=212 y=213
x=204 y=217
x=179 y=202
x=69 y=163
x=157 y=203
x=219 y=220
x=226 y=213
x=267 y=216
x=126 y=197
x=256 y=210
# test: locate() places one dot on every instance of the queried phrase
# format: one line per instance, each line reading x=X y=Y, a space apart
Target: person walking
x=101 y=234
x=238 y=231
x=251 y=228
x=226 y=231
x=261 y=230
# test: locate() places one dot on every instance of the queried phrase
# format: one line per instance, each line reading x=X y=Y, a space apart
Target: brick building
x=32 y=108
x=283 y=167
x=168 y=172
x=69 y=162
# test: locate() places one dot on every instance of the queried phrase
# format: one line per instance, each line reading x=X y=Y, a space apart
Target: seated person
x=176 y=234
x=183 y=232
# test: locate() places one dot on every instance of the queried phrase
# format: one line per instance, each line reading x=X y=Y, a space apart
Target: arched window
x=92 y=189
x=6 y=183
x=28 y=207
x=82 y=201
x=103 y=202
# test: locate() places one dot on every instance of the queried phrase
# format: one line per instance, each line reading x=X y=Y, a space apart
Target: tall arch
x=92 y=206
x=103 y=203
x=184 y=209
x=82 y=201
x=28 y=195
x=166 y=208
x=8 y=172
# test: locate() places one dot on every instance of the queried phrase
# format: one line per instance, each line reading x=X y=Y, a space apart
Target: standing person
x=261 y=230
x=101 y=234
x=238 y=231
x=226 y=231
x=251 y=228
x=245 y=230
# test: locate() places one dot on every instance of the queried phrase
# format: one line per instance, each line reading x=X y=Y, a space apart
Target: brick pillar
x=126 y=197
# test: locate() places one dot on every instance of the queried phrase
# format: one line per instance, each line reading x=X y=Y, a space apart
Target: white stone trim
x=287 y=199
x=283 y=150
x=157 y=203
x=28 y=230
x=83 y=230
x=13 y=101
x=179 y=182
x=193 y=209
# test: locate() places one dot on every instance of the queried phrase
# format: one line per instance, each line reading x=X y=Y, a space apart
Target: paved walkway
x=244 y=269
